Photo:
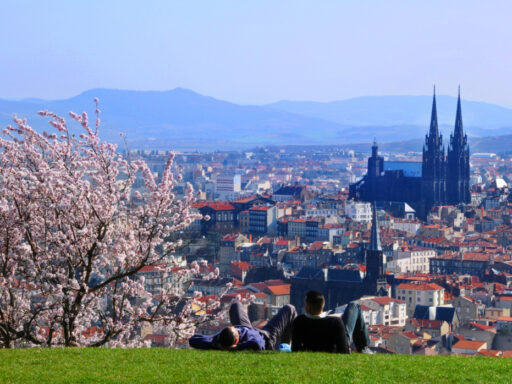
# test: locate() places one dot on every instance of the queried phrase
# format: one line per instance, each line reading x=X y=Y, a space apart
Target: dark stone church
x=444 y=177
x=340 y=286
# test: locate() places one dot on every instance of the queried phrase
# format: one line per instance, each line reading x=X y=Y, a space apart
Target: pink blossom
x=78 y=248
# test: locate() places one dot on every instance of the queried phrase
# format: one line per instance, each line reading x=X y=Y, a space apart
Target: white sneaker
x=368 y=351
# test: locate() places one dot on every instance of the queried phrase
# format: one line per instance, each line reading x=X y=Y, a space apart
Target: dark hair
x=315 y=300
x=227 y=337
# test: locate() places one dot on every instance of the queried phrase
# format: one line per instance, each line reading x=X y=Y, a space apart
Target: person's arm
x=341 y=338
x=250 y=339
x=202 y=342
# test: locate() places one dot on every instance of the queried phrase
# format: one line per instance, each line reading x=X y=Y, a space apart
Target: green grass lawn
x=189 y=366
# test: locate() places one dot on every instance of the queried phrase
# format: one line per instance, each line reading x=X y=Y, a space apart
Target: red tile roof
x=386 y=300
x=469 y=344
x=260 y=208
x=420 y=287
x=409 y=335
x=483 y=327
x=241 y=265
x=423 y=323
x=489 y=352
x=279 y=290
x=215 y=205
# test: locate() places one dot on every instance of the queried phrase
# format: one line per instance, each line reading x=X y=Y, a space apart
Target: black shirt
x=325 y=334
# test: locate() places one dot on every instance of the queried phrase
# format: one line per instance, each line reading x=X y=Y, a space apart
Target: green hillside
x=188 y=366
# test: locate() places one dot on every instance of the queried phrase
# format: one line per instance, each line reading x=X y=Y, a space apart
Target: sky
x=257 y=51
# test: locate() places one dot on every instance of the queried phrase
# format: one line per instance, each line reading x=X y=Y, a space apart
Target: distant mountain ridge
x=185 y=120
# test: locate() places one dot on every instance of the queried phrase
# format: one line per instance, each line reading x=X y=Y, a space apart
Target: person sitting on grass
x=315 y=331
x=242 y=336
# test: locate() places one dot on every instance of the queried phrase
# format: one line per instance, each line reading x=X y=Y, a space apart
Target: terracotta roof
x=246 y=199
x=409 y=335
x=215 y=205
x=386 y=300
x=423 y=323
x=153 y=268
x=280 y=289
x=489 y=352
x=259 y=286
x=420 y=287
x=317 y=245
x=260 y=208
x=469 y=344
x=241 y=265
x=483 y=327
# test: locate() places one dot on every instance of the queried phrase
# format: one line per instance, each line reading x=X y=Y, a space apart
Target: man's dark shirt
x=325 y=334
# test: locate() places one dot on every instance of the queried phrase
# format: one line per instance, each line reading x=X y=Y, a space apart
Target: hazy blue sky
x=258 y=51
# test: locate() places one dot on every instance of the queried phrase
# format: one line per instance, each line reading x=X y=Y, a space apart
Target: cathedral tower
x=375 y=169
x=433 y=165
x=375 y=280
x=457 y=166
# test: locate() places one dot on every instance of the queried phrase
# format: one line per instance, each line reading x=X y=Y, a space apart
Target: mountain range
x=185 y=120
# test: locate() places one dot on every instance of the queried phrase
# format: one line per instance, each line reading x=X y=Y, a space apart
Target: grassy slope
x=187 y=366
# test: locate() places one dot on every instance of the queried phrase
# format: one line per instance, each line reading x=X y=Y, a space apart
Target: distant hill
x=185 y=120
x=180 y=118
x=406 y=116
x=494 y=144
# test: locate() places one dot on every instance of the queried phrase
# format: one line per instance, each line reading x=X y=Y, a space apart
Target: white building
x=227 y=186
x=358 y=211
x=383 y=311
x=413 y=294
x=323 y=212
x=414 y=259
x=408 y=226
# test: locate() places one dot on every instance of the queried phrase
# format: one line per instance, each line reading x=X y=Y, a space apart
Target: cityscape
x=255 y=192
x=282 y=221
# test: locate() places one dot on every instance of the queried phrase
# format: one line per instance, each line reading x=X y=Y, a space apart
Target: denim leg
x=279 y=327
x=355 y=326
x=238 y=315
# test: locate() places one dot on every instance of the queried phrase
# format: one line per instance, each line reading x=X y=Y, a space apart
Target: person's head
x=314 y=303
x=228 y=337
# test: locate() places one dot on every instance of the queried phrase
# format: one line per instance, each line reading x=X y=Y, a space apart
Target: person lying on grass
x=315 y=331
x=242 y=336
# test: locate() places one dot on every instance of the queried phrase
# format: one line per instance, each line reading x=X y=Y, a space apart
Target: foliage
x=75 y=236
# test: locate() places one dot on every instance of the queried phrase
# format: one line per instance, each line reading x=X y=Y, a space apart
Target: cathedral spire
x=458 y=134
x=434 y=129
x=375 y=238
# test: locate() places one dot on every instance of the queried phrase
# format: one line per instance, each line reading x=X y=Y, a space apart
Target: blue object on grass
x=285 y=347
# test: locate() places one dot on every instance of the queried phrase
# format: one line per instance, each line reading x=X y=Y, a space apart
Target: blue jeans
x=355 y=326
x=277 y=329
